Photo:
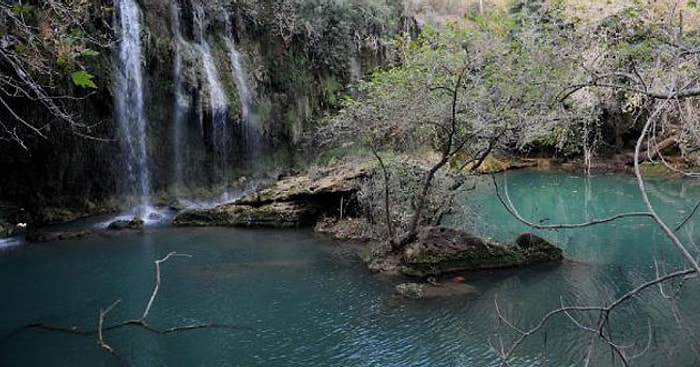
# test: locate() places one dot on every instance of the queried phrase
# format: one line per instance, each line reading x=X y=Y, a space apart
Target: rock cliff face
x=291 y=202
x=279 y=64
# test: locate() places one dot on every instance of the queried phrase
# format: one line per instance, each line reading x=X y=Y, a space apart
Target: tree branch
x=157 y=282
x=645 y=196
x=140 y=322
x=508 y=205
x=604 y=311
x=100 y=338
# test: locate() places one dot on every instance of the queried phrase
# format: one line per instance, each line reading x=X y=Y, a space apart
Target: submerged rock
x=51 y=236
x=442 y=250
x=122 y=224
x=427 y=290
x=410 y=290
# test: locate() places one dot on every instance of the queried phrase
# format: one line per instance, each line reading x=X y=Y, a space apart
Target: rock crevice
x=297 y=201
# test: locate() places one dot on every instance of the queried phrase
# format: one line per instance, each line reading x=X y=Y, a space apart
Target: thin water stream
x=218 y=105
x=129 y=105
x=296 y=299
x=250 y=132
x=179 y=105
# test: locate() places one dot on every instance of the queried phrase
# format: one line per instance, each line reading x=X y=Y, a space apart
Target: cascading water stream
x=179 y=106
x=129 y=104
x=251 y=133
x=220 y=137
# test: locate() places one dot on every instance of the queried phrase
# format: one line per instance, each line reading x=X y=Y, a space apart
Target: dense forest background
x=464 y=80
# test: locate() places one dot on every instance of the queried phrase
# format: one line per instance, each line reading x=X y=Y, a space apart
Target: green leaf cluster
x=82 y=78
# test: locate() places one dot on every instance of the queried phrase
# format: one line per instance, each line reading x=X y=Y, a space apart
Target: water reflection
x=300 y=300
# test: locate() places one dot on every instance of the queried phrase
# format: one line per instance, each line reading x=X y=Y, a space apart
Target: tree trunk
x=658 y=147
x=412 y=231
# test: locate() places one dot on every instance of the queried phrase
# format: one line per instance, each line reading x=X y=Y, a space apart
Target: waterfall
x=220 y=137
x=179 y=106
x=355 y=69
x=250 y=132
x=129 y=104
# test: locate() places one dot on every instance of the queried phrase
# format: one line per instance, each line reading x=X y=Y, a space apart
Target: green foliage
x=45 y=43
x=331 y=31
x=83 y=79
x=22 y=9
x=88 y=52
x=526 y=6
x=330 y=88
x=511 y=76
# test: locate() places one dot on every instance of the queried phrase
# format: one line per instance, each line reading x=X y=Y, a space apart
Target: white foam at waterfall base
x=226 y=197
x=151 y=217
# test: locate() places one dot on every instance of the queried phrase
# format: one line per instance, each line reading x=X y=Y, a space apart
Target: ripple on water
x=10 y=242
x=295 y=300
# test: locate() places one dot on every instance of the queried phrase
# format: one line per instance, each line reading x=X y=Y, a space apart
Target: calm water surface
x=294 y=299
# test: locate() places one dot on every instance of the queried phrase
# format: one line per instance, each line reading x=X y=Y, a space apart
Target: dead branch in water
x=140 y=322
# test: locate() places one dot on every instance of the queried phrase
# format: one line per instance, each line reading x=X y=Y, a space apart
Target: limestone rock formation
x=441 y=250
x=294 y=201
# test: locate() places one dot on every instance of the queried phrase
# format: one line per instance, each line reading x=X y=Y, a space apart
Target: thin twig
x=687 y=218
x=604 y=312
x=157 y=285
x=100 y=338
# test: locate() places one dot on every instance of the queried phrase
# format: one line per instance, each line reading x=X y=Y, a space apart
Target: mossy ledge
x=440 y=250
x=296 y=201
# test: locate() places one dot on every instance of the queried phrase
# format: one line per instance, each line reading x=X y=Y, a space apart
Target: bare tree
x=457 y=96
x=41 y=47
x=662 y=92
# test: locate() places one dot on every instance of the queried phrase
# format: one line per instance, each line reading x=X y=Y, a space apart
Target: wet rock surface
x=124 y=224
x=51 y=236
x=428 y=291
x=294 y=201
x=441 y=250
x=276 y=214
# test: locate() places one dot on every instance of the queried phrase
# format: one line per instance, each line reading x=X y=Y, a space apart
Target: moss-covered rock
x=122 y=224
x=5 y=230
x=293 y=201
x=279 y=215
x=326 y=181
x=442 y=250
x=51 y=236
x=537 y=250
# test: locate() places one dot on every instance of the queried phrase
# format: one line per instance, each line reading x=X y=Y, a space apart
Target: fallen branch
x=140 y=322
x=157 y=285
x=100 y=338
